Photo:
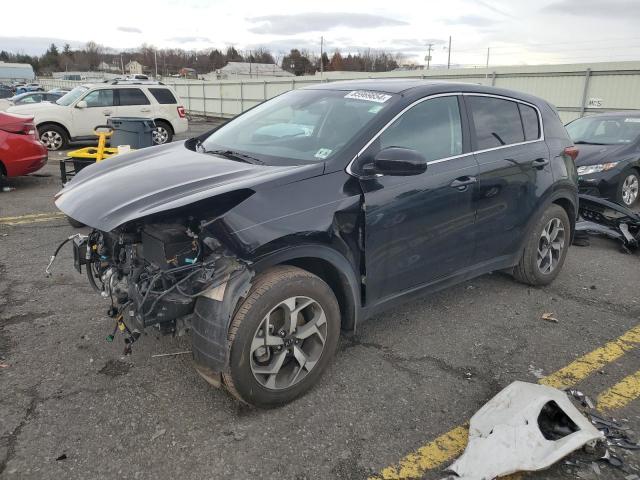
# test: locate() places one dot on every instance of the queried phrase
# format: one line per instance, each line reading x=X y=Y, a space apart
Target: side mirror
x=81 y=104
x=400 y=162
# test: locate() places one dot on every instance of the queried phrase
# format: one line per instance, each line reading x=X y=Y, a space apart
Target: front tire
x=282 y=337
x=545 y=249
x=628 y=188
x=53 y=137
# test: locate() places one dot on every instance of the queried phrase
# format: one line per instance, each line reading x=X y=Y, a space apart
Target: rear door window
x=497 y=122
x=163 y=96
x=132 y=96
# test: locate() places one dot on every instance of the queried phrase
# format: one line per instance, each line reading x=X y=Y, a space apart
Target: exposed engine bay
x=153 y=272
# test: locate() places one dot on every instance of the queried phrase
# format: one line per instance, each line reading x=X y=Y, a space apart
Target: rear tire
x=163 y=133
x=53 y=137
x=546 y=248
x=262 y=341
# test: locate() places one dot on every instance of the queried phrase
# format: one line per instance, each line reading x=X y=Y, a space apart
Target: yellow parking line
x=620 y=394
x=33 y=218
x=451 y=444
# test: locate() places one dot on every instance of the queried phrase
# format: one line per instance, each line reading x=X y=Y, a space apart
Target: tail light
x=572 y=152
x=24 y=128
x=181 y=112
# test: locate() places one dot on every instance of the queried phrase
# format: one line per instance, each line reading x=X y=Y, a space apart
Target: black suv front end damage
x=154 y=273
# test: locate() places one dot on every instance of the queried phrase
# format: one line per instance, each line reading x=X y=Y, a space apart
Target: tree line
x=171 y=60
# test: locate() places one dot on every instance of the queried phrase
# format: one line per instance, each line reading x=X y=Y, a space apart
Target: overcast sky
x=518 y=31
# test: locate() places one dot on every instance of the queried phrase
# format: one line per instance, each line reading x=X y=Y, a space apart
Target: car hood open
x=157 y=179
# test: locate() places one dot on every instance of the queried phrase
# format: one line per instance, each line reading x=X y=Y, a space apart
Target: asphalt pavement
x=389 y=406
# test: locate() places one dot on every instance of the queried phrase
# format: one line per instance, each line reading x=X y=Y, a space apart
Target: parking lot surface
x=393 y=404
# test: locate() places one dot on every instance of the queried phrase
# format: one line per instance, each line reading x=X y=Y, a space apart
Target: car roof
x=425 y=87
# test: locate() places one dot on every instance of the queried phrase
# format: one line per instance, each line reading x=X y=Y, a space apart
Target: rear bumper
x=27 y=164
x=180 y=125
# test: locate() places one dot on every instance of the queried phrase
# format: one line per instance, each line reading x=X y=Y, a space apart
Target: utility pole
x=449 y=54
x=155 y=60
x=321 y=57
x=428 y=57
x=486 y=73
x=122 y=63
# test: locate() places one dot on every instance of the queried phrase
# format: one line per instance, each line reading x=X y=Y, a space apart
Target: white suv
x=75 y=116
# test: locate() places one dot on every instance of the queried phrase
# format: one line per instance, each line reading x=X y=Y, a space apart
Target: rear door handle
x=461 y=183
x=540 y=163
x=145 y=110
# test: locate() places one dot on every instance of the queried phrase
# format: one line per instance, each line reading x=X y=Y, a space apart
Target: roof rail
x=133 y=82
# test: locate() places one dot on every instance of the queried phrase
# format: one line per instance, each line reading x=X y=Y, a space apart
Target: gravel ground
x=408 y=375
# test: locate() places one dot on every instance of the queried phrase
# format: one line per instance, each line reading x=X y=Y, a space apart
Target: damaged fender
x=525 y=427
x=211 y=319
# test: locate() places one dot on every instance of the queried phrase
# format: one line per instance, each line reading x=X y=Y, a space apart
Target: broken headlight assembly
x=153 y=273
x=600 y=167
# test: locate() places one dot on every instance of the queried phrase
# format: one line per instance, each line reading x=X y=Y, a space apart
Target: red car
x=20 y=149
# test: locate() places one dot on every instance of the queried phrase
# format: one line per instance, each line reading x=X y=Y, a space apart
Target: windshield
x=308 y=125
x=72 y=96
x=604 y=130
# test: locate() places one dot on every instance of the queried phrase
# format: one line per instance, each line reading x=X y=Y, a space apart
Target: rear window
x=497 y=122
x=132 y=96
x=163 y=95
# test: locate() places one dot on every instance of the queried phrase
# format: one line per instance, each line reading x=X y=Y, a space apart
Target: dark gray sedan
x=35 y=97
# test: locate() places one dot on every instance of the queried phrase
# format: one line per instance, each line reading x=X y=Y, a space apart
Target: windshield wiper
x=238 y=156
x=584 y=142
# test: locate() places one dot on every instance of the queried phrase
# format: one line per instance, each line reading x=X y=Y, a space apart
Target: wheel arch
x=166 y=122
x=53 y=122
x=332 y=267
x=565 y=197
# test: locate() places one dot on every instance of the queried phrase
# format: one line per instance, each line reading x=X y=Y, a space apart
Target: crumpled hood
x=156 y=179
x=594 y=154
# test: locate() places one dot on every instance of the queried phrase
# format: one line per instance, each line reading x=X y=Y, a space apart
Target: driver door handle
x=461 y=183
x=540 y=163
x=107 y=112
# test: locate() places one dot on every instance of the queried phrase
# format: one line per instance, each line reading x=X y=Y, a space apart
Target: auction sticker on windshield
x=323 y=153
x=368 y=96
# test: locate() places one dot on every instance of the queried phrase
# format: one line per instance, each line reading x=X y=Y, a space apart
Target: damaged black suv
x=318 y=209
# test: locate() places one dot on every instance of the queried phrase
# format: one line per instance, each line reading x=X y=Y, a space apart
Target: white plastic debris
x=507 y=434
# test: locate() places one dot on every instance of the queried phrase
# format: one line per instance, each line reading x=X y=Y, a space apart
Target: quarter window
x=432 y=128
x=99 y=98
x=530 y=122
x=163 y=96
x=132 y=96
x=497 y=121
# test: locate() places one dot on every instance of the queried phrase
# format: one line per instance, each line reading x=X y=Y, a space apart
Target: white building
x=16 y=71
x=246 y=70
x=134 y=67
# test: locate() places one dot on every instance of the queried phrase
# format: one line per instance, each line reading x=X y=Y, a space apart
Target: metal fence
x=576 y=89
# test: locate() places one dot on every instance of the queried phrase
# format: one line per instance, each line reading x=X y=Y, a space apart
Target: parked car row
x=75 y=115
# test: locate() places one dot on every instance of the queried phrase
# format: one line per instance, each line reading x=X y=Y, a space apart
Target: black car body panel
x=375 y=239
